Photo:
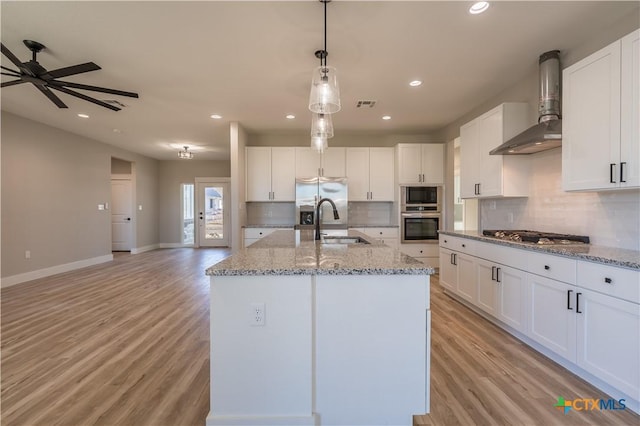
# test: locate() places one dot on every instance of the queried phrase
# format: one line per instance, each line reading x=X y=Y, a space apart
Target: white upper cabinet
x=310 y=163
x=270 y=174
x=601 y=119
x=370 y=174
x=420 y=164
x=483 y=175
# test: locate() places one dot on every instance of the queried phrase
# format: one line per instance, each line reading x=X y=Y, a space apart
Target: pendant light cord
x=325 y=34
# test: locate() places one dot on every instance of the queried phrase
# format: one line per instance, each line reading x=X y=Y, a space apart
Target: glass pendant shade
x=319 y=144
x=321 y=126
x=325 y=93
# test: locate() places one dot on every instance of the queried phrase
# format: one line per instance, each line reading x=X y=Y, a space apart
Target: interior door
x=213 y=213
x=121 y=215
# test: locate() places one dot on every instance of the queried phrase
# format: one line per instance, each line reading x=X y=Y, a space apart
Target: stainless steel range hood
x=547 y=134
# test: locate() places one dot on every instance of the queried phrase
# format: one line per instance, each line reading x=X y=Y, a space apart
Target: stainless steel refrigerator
x=310 y=190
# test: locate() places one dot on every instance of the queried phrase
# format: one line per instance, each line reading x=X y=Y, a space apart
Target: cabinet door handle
x=607 y=280
x=612 y=168
x=569 y=300
x=455 y=259
x=578 y=303
x=493 y=271
x=498 y=275
x=622 y=172
x=322 y=171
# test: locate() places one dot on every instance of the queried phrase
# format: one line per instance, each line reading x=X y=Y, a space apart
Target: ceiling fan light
x=324 y=97
x=321 y=126
x=319 y=144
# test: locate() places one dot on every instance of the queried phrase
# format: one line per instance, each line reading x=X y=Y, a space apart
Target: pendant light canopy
x=321 y=126
x=186 y=154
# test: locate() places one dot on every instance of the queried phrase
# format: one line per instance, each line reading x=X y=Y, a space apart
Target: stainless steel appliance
x=535 y=237
x=427 y=197
x=547 y=134
x=310 y=190
x=420 y=216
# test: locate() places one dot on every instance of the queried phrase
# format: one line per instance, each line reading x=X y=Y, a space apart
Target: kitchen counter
x=269 y=226
x=594 y=253
x=288 y=252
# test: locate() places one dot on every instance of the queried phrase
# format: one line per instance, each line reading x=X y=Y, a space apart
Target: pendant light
x=324 y=97
x=319 y=143
x=321 y=126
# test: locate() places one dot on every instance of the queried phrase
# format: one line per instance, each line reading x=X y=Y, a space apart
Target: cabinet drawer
x=554 y=267
x=420 y=250
x=258 y=232
x=509 y=256
x=463 y=245
x=381 y=232
x=617 y=282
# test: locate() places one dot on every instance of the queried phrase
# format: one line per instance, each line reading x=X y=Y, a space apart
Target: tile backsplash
x=609 y=218
x=372 y=213
x=271 y=214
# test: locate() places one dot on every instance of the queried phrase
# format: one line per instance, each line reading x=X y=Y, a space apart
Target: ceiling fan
x=44 y=80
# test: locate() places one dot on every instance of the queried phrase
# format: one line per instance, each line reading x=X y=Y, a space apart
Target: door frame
x=226 y=199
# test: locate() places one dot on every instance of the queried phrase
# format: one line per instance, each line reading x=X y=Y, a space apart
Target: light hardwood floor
x=127 y=343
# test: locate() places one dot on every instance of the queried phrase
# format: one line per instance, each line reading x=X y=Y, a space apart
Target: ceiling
x=251 y=62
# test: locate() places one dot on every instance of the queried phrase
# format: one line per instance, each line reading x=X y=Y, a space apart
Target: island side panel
x=372 y=345
x=261 y=374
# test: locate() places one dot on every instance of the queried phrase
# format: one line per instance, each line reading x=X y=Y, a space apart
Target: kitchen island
x=308 y=333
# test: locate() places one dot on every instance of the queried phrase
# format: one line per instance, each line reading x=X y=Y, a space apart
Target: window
x=188 y=228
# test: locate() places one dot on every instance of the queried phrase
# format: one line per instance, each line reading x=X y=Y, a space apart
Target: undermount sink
x=343 y=240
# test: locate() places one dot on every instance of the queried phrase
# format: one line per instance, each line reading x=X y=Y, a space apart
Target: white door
x=121 y=215
x=213 y=213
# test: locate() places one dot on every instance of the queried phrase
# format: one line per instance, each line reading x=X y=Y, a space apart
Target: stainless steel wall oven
x=420 y=216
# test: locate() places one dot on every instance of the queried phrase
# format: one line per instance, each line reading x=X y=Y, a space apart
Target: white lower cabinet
x=608 y=340
x=429 y=253
x=587 y=313
x=251 y=235
x=552 y=315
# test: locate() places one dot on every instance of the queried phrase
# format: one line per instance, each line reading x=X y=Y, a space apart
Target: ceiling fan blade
x=9 y=69
x=11 y=83
x=49 y=94
x=10 y=74
x=92 y=88
x=84 y=97
x=72 y=70
x=13 y=58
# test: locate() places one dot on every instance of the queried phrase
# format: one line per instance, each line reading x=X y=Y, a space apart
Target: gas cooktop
x=535 y=237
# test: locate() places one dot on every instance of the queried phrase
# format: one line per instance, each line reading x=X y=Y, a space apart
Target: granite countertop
x=373 y=226
x=269 y=226
x=593 y=253
x=289 y=252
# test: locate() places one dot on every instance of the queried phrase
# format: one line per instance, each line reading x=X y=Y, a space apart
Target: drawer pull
x=445 y=241
x=463 y=245
x=607 y=280
x=569 y=300
x=547 y=267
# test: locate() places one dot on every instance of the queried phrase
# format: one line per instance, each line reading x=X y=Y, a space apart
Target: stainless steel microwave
x=429 y=197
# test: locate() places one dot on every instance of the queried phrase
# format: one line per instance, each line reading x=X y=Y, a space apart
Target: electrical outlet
x=27 y=254
x=492 y=205
x=510 y=217
x=257 y=314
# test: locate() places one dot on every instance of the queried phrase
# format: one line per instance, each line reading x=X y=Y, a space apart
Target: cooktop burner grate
x=535 y=236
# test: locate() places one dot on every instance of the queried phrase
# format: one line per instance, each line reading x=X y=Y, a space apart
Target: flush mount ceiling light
x=386 y=117
x=186 y=154
x=479 y=7
x=290 y=117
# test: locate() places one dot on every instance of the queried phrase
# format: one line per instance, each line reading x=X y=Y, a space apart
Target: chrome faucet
x=319 y=218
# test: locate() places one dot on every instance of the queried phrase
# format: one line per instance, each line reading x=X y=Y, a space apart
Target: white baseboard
x=53 y=270
x=311 y=420
x=175 y=245
x=138 y=250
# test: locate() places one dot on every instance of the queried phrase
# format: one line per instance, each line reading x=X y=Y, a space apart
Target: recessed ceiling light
x=216 y=116
x=290 y=116
x=83 y=116
x=117 y=131
x=538 y=143
x=415 y=83
x=479 y=7
x=386 y=117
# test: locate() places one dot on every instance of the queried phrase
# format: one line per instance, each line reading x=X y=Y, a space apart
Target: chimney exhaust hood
x=547 y=134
